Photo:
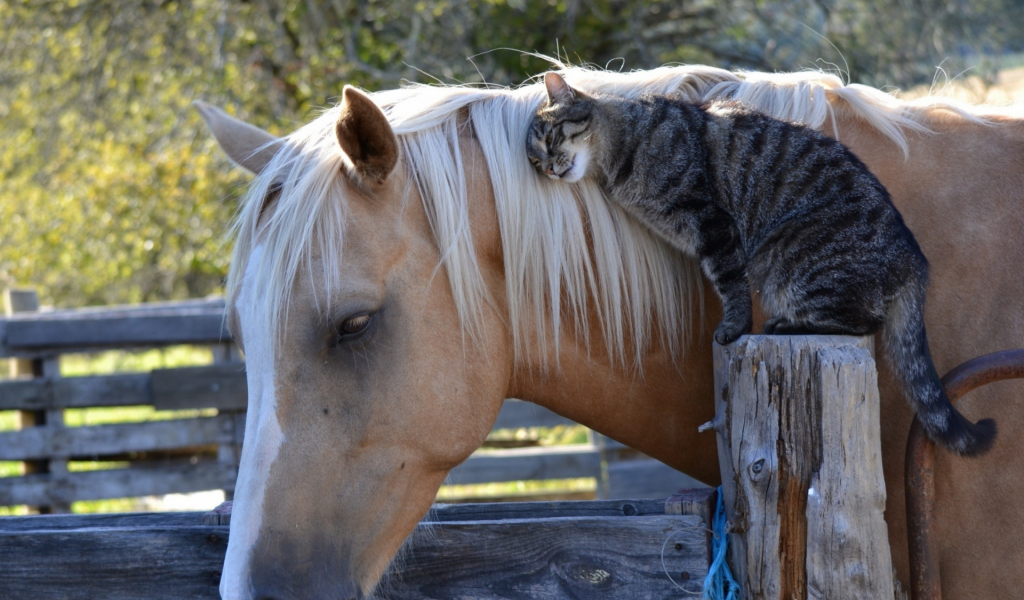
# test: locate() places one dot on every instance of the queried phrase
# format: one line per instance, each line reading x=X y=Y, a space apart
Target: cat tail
x=907 y=346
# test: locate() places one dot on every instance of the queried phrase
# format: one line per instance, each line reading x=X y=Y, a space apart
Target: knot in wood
x=758 y=469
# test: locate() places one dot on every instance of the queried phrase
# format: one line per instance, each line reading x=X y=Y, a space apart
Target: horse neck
x=656 y=410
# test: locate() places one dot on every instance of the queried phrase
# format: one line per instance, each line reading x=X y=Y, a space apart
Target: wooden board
x=141 y=480
x=685 y=502
x=100 y=520
x=100 y=440
x=215 y=386
x=553 y=558
x=114 y=564
x=490 y=511
x=191 y=322
x=220 y=386
x=646 y=478
x=516 y=414
x=545 y=462
x=586 y=558
x=495 y=511
x=505 y=465
x=75 y=392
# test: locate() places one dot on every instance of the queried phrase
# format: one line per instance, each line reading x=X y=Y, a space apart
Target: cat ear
x=365 y=136
x=559 y=91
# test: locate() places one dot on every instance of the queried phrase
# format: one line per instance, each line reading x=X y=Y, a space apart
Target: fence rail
x=157 y=324
x=602 y=550
x=201 y=453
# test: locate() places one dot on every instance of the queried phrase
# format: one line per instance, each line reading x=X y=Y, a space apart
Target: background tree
x=111 y=191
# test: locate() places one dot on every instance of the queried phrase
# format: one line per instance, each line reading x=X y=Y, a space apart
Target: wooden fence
x=799 y=446
x=202 y=452
x=599 y=550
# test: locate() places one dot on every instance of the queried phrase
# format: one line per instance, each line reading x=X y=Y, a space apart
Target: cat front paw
x=728 y=332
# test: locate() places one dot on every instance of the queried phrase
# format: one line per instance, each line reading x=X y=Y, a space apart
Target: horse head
x=365 y=388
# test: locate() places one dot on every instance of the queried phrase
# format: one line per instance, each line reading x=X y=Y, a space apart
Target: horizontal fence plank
x=76 y=392
x=99 y=440
x=210 y=386
x=505 y=465
x=220 y=386
x=646 y=478
x=214 y=386
x=599 y=558
x=602 y=558
x=169 y=563
x=516 y=414
x=189 y=322
x=67 y=522
x=544 y=462
x=492 y=511
x=484 y=511
x=498 y=511
x=142 y=479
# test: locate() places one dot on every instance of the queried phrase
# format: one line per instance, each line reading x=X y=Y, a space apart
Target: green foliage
x=111 y=191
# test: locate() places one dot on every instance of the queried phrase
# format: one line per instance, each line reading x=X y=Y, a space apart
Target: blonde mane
x=565 y=247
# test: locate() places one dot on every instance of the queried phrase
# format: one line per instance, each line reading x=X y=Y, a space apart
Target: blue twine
x=719 y=584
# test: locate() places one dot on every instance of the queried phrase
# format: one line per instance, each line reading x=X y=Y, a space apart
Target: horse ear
x=365 y=136
x=247 y=146
x=559 y=91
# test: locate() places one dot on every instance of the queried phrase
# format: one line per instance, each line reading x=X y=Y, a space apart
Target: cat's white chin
x=578 y=168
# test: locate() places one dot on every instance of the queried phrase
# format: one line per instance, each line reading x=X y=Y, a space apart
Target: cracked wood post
x=799 y=446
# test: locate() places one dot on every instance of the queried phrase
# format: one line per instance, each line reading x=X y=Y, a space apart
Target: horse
x=399 y=270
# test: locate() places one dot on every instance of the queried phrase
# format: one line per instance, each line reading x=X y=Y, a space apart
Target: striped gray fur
x=767 y=205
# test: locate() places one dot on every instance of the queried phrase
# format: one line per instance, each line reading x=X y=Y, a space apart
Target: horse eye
x=354 y=325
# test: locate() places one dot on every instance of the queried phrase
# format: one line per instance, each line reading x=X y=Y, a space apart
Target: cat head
x=559 y=143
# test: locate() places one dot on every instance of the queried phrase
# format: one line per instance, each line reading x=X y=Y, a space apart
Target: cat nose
x=551 y=170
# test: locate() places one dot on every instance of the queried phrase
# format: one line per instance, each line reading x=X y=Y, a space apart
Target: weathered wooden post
x=227 y=353
x=22 y=301
x=799 y=447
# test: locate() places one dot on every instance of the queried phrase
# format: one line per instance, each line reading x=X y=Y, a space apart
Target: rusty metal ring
x=919 y=475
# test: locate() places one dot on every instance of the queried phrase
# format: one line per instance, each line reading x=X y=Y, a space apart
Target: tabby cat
x=767 y=204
